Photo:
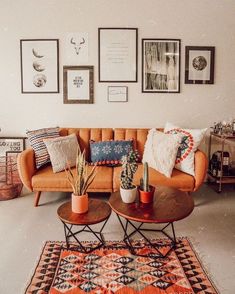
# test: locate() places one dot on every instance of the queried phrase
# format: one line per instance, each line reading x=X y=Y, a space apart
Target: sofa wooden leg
x=37 y=198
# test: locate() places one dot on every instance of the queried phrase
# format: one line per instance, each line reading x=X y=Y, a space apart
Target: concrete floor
x=24 y=229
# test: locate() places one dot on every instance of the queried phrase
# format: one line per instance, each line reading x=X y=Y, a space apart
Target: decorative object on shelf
x=219 y=163
x=39 y=65
x=224 y=128
x=78 y=84
x=129 y=167
x=80 y=180
x=161 y=65
x=146 y=191
x=199 y=64
x=117 y=94
x=118 y=54
x=76 y=48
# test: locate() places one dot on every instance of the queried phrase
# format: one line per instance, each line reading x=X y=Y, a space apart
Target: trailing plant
x=129 y=167
x=81 y=178
x=144 y=181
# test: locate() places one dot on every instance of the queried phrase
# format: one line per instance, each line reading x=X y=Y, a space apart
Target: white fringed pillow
x=62 y=150
x=160 y=151
x=191 y=139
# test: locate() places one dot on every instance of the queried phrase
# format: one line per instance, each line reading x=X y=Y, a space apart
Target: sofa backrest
x=84 y=135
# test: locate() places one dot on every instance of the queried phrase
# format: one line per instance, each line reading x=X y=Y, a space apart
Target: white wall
x=195 y=22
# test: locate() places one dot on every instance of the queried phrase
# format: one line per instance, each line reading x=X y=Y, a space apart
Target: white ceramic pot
x=128 y=196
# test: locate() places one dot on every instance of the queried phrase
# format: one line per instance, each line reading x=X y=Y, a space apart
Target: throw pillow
x=36 y=141
x=109 y=152
x=62 y=151
x=189 y=144
x=160 y=151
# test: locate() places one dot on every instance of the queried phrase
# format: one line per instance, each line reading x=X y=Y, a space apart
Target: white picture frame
x=117 y=94
x=77 y=48
x=118 y=52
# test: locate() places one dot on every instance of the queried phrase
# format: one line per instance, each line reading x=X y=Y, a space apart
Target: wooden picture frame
x=161 y=65
x=117 y=93
x=39 y=60
x=199 y=64
x=118 y=55
x=78 y=84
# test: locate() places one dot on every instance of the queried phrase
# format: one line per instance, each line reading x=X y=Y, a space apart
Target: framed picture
x=78 y=84
x=161 y=65
x=77 y=48
x=117 y=94
x=118 y=54
x=199 y=65
x=39 y=65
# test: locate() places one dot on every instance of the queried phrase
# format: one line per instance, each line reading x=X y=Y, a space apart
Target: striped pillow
x=36 y=141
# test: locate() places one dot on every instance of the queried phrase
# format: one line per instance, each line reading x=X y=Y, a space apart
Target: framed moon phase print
x=39 y=65
x=199 y=65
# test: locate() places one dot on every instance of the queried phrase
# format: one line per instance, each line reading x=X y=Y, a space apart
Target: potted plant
x=129 y=167
x=80 y=180
x=146 y=191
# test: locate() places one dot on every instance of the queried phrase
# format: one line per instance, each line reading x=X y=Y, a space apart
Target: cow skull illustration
x=77 y=45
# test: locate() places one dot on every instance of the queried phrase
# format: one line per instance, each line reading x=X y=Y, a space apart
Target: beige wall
x=195 y=22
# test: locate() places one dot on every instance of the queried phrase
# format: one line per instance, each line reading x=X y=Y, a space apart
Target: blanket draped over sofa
x=107 y=179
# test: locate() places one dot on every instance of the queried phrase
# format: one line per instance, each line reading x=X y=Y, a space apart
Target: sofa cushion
x=109 y=152
x=46 y=180
x=178 y=180
x=189 y=144
x=63 y=151
x=160 y=151
x=36 y=141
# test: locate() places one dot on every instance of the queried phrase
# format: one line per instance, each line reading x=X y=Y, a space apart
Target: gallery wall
x=195 y=22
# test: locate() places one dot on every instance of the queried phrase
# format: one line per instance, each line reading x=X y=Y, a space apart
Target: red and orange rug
x=114 y=270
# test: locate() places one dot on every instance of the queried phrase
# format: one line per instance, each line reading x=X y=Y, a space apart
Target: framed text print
x=39 y=65
x=78 y=84
x=118 y=54
x=161 y=65
x=199 y=65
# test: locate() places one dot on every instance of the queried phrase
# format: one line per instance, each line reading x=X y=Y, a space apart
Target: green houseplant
x=80 y=179
x=146 y=191
x=129 y=167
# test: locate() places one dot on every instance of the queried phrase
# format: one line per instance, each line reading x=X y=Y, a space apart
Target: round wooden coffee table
x=98 y=212
x=169 y=205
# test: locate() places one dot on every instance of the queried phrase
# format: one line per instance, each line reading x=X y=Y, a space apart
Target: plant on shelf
x=80 y=179
x=146 y=191
x=129 y=167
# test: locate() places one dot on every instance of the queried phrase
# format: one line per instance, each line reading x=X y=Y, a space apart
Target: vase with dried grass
x=80 y=179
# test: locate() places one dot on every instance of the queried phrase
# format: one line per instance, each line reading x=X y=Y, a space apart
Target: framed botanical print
x=199 y=64
x=118 y=54
x=160 y=65
x=39 y=65
x=78 y=84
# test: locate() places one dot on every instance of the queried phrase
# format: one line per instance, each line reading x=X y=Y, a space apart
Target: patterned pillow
x=109 y=152
x=189 y=144
x=36 y=141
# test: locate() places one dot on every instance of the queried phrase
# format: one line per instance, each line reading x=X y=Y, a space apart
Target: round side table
x=98 y=212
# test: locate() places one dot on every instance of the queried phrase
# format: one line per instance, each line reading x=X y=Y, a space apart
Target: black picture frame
x=118 y=60
x=71 y=77
x=39 y=70
x=161 y=65
x=199 y=64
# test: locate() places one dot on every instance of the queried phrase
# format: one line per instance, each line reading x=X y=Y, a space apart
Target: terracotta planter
x=146 y=197
x=128 y=196
x=79 y=203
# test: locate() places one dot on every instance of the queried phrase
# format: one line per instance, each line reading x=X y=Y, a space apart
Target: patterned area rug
x=114 y=270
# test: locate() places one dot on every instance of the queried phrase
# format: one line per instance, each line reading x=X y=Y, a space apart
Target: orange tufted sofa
x=107 y=179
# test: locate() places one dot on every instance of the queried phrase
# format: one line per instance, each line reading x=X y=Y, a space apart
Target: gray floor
x=24 y=229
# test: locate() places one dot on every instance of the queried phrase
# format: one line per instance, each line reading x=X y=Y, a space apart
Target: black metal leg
x=138 y=229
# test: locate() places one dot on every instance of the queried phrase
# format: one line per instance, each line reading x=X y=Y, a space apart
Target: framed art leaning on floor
x=161 y=65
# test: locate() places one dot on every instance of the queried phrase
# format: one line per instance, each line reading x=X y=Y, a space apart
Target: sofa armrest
x=26 y=167
x=201 y=164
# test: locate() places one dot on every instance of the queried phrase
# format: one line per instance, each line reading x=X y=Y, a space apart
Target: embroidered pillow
x=62 y=150
x=109 y=152
x=160 y=151
x=189 y=144
x=36 y=141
